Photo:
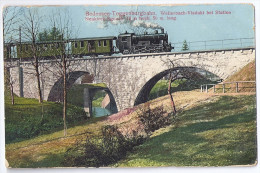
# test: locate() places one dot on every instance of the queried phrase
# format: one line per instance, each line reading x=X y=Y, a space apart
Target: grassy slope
x=213 y=134
x=28 y=118
x=48 y=150
x=247 y=73
x=194 y=133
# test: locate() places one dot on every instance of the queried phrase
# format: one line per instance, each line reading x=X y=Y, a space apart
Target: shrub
x=103 y=150
x=153 y=119
x=114 y=143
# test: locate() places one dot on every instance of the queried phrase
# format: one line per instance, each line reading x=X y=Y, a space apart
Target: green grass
x=213 y=134
x=97 y=102
x=75 y=94
x=48 y=150
x=161 y=88
x=28 y=118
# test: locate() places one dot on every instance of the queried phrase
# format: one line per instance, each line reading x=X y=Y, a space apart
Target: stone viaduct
x=129 y=78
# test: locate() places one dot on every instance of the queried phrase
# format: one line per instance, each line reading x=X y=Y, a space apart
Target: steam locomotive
x=125 y=43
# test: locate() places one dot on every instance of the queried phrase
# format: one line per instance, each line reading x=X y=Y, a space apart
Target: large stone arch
x=184 y=72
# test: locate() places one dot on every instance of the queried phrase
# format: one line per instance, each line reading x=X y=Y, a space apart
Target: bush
x=153 y=119
x=113 y=144
x=106 y=149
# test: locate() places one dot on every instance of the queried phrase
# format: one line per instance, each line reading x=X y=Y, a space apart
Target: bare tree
x=10 y=19
x=62 y=22
x=170 y=92
x=31 y=26
x=9 y=82
x=178 y=70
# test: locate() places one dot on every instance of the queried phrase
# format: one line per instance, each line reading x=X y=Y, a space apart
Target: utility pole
x=20 y=42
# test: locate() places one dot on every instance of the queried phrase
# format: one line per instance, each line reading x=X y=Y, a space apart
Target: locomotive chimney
x=162 y=31
x=156 y=31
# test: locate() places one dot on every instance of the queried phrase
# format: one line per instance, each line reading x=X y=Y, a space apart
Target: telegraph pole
x=20 y=41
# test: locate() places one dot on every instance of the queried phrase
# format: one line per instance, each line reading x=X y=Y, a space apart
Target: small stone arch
x=92 y=92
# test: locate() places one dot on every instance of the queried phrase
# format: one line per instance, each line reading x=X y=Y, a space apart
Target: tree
x=178 y=70
x=185 y=46
x=31 y=29
x=61 y=28
x=9 y=82
x=50 y=35
x=10 y=19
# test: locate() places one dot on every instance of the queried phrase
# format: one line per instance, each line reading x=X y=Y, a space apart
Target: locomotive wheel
x=125 y=52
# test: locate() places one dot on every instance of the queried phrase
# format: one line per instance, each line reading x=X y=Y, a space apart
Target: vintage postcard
x=130 y=86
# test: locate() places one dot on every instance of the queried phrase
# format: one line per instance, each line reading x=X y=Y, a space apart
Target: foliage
x=102 y=150
x=28 y=118
x=160 y=88
x=185 y=46
x=113 y=145
x=75 y=94
x=153 y=119
x=50 y=35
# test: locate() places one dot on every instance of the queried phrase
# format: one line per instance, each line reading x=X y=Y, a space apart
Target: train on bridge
x=125 y=43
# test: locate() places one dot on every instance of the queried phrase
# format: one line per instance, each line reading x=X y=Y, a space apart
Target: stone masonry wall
x=126 y=75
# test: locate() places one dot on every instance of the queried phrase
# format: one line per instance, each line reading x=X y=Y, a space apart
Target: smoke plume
x=123 y=20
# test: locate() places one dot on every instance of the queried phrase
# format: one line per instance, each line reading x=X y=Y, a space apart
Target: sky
x=239 y=23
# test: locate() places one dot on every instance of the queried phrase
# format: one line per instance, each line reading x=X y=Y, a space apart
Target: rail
x=216 y=44
x=205 y=87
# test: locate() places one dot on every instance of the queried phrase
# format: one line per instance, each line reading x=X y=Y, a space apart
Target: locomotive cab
x=124 y=42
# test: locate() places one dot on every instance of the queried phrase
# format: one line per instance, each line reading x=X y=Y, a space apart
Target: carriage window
x=82 y=44
x=104 y=43
x=99 y=43
x=124 y=38
x=75 y=44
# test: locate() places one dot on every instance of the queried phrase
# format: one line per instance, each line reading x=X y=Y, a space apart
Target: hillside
x=28 y=118
x=247 y=73
x=51 y=147
x=196 y=120
x=218 y=132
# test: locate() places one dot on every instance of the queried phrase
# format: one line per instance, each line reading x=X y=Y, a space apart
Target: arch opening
x=81 y=91
x=102 y=102
x=187 y=75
